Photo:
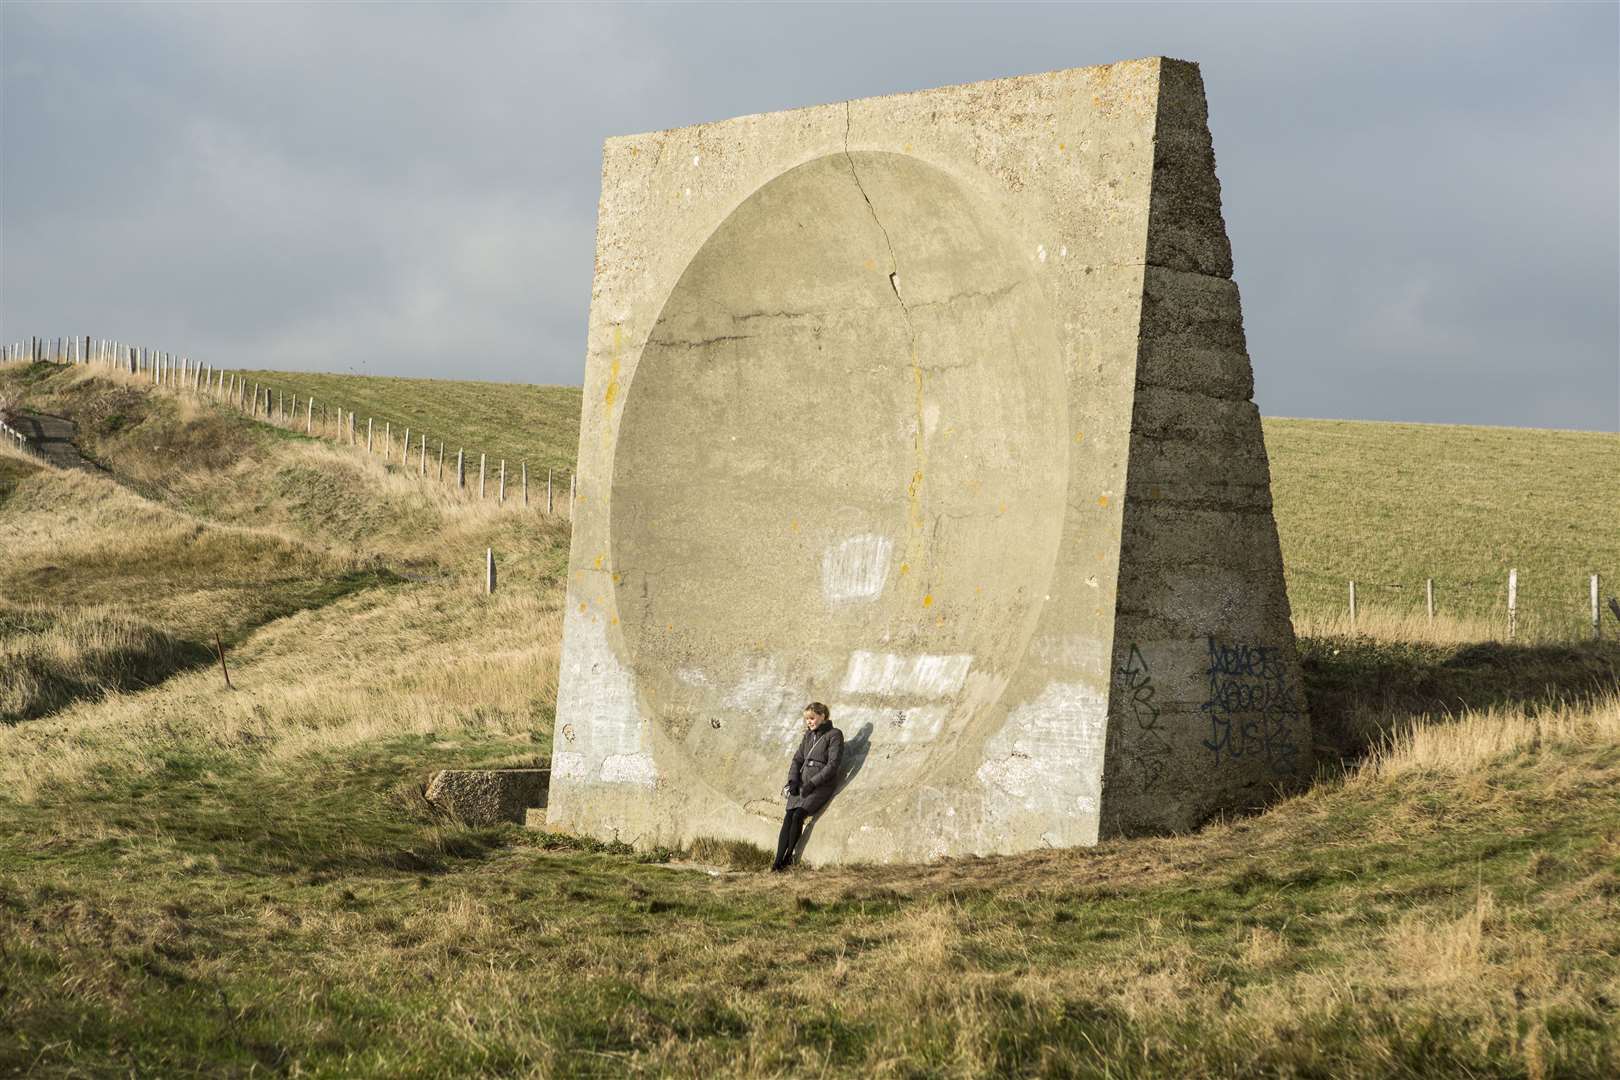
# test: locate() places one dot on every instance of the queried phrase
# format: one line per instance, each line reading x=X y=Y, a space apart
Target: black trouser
x=792 y=829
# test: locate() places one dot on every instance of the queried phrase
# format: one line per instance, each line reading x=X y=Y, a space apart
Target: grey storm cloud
x=1424 y=201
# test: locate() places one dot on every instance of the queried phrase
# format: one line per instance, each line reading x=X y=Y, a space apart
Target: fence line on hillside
x=1495 y=599
x=179 y=373
x=17 y=439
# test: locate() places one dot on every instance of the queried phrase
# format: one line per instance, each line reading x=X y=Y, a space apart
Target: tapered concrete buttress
x=935 y=408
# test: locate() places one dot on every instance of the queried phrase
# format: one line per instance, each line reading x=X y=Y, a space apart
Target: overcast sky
x=1423 y=201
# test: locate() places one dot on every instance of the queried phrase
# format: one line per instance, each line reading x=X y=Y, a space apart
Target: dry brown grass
x=424 y=659
x=1466 y=743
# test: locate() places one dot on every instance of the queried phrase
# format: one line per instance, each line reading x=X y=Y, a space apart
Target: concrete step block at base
x=489 y=796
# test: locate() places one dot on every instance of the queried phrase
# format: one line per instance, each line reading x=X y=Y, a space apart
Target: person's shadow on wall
x=856 y=747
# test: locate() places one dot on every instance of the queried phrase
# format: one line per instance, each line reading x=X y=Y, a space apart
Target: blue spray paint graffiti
x=1251 y=708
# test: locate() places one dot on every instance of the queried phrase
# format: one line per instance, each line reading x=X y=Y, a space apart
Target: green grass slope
x=515 y=421
x=1393 y=504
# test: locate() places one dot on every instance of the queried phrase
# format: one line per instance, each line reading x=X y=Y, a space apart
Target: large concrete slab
x=936 y=408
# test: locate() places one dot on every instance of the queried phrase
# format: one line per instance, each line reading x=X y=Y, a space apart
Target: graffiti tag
x=1252 y=710
x=1148 y=751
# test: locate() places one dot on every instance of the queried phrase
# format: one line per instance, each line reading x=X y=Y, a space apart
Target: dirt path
x=53 y=436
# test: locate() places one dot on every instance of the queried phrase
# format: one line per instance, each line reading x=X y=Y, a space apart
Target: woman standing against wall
x=811 y=778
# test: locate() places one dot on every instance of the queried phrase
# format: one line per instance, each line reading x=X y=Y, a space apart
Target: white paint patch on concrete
x=759 y=688
x=905 y=724
x=596 y=693
x=851 y=718
x=630 y=769
x=692 y=676
x=856 y=568
x=924 y=675
x=1069 y=650
x=567 y=765
x=765 y=695
x=1046 y=761
x=918 y=725
x=930 y=419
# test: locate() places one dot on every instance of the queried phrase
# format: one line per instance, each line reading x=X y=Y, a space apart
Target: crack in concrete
x=683 y=343
x=916 y=549
x=894 y=263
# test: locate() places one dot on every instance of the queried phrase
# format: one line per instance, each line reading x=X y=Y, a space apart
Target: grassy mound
x=202 y=880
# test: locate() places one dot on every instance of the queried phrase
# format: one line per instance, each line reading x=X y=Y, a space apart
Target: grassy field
x=1393 y=504
x=515 y=421
x=202 y=881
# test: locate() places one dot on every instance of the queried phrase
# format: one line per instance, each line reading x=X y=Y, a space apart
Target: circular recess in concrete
x=839 y=476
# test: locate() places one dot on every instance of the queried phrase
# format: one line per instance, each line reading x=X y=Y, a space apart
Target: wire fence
x=414 y=452
x=1513 y=604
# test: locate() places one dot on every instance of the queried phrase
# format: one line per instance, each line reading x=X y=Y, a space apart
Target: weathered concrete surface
x=489 y=796
x=933 y=407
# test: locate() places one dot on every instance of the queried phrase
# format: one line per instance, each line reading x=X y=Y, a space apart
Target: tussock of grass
x=1478 y=738
x=731 y=854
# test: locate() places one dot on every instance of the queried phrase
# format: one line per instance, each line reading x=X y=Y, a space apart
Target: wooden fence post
x=548 y=491
x=461 y=469
x=441 y=461
x=501 y=497
x=1428 y=592
x=1352 y=603
x=423 y=470
x=405 y=450
x=1597 y=625
x=525 y=485
x=388 y=439
x=1513 y=603
x=481 y=477
x=309 y=417
x=489 y=571
x=368 y=434
x=351 y=427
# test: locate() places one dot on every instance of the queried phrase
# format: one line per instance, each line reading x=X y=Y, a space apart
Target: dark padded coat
x=815 y=768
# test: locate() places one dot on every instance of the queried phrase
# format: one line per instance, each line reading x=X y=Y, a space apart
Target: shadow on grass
x=1360 y=688
x=54 y=656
